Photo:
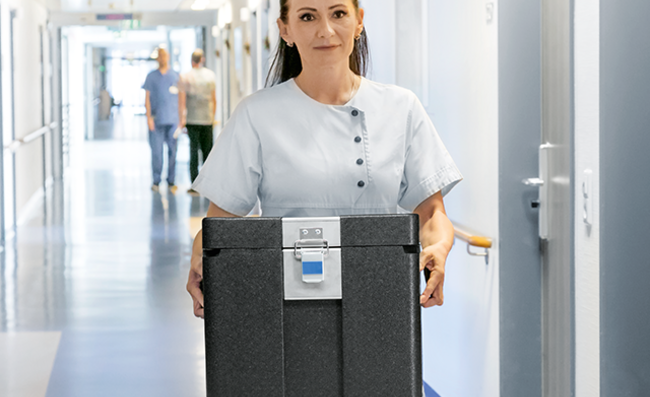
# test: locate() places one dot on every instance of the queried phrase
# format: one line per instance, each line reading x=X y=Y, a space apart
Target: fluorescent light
x=252 y=4
x=244 y=14
x=199 y=5
x=228 y=13
x=225 y=15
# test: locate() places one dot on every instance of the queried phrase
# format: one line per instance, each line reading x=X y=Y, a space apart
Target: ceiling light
x=252 y=4
x=199 y=5
x=244 y=14
x=225 y=15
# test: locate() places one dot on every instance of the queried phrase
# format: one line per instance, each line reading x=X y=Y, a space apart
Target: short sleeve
x=428 y=167
x=147 y=83
x=232 y=173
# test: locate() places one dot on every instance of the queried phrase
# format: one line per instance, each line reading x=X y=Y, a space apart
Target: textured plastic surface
x=254 y=233
x=367 y=344
x=381 y=322
x=379 y=230
x=243 y=323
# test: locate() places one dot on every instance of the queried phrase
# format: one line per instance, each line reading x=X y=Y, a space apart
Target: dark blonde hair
x=287 y=64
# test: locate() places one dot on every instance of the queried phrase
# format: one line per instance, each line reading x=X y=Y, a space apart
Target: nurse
x=324 y=141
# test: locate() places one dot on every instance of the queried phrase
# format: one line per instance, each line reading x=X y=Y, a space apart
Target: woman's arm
x=437 y=238
x=196 y=269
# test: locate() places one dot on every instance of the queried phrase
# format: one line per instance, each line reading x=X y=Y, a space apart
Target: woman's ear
x=284 y=31
x=360 y=18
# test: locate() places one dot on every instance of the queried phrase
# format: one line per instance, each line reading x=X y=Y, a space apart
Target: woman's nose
x=325 y=29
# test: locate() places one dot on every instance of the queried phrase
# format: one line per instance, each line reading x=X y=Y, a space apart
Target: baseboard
x=33 y=204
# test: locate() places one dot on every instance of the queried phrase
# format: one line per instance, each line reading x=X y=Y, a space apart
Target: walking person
x=197 y=102
x=162 y=118
x=322 y=140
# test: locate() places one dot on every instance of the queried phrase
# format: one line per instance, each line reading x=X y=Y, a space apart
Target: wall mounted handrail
x=16 y=143
x=474 y=240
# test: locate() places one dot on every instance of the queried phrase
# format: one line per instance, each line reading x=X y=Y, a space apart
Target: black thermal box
x=308 y=307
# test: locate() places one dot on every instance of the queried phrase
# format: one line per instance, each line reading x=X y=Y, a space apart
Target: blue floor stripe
x=428 y=391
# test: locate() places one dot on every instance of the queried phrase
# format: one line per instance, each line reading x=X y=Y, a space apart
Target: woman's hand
x=196 y=275
x=196 y=263
x=437 y=238
x=433 y=258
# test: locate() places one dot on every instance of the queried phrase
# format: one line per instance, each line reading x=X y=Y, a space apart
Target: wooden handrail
x=471 y=239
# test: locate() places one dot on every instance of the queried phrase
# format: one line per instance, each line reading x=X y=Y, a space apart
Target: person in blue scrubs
x=162 y=118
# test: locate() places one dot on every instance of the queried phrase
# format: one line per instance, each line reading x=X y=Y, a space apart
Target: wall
x=587 y=243
x=380 y=27
x=27 y=77
x=624 y=210
x=461 y=338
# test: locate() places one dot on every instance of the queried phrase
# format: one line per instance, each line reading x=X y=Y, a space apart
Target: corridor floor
x=92 y=289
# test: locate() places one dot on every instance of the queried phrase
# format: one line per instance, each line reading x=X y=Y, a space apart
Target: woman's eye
x=340 y=14
x=307 y=17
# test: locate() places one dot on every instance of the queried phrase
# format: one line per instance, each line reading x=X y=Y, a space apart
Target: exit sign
x=115 y=17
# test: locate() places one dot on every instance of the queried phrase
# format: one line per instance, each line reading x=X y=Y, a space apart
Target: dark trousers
x=200 y=139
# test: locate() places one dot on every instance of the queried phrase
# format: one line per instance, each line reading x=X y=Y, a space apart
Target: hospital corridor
x=265 y=198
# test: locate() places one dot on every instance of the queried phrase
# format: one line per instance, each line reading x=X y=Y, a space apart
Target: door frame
x=520 y=277
x=558 y=287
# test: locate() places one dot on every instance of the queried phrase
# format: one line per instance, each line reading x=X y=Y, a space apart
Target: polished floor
x=92 y=289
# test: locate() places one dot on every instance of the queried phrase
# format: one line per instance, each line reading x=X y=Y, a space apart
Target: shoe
x=155 y=188
x=193 y=192
x=172 y=189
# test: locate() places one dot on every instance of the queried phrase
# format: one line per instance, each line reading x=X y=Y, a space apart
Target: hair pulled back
x=287 y=64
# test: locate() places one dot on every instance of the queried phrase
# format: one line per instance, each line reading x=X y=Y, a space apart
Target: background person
x=324 y=141
x=197 y=102
x=162 y=117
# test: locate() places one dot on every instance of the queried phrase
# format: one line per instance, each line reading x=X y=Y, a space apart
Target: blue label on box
x=312 y=267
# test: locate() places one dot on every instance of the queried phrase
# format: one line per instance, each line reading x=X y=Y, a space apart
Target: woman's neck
x=331 y=86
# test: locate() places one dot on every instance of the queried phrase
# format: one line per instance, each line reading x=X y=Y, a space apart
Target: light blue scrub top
x=163 y=96
x=302 y=158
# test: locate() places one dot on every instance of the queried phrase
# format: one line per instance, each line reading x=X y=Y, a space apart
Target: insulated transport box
x=308 y=307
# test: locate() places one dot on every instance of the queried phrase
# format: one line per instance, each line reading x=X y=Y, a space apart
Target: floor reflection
x=105 y=263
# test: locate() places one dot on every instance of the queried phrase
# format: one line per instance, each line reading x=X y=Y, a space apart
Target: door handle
x=536 y=182
x=540 y=182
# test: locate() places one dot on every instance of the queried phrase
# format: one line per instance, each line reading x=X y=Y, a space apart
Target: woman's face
x=323 y=30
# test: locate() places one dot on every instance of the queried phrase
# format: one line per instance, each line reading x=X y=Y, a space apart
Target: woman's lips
x=326 y=47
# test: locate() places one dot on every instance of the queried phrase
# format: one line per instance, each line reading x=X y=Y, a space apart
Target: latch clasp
x=311 y=249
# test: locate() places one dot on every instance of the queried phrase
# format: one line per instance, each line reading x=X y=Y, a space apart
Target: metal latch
x=311 y=249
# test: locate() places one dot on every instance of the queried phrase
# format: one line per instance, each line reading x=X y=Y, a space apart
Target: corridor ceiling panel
x=125 y=5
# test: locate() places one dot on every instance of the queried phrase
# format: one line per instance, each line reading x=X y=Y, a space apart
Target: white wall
x=380 y=26
x=27 y=88
x=587 y=239
x=461 y=345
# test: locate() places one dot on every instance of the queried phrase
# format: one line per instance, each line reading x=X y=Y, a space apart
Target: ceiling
x=133 y=5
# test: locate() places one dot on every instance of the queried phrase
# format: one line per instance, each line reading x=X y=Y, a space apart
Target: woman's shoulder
x=264 y=103
x=392 y=90
x=268 y=95
x=384 y=96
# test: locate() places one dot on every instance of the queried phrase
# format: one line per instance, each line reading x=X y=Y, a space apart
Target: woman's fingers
x=194 y=287
x=432 y=294
x=426 y=258
x=198 y=309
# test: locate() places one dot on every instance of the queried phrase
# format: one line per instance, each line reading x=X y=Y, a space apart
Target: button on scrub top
x=302 y=158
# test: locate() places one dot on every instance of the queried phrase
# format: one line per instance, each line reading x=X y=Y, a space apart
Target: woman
x=324 y=141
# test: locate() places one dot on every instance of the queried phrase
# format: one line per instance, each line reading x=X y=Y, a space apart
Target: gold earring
x=289 y=44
